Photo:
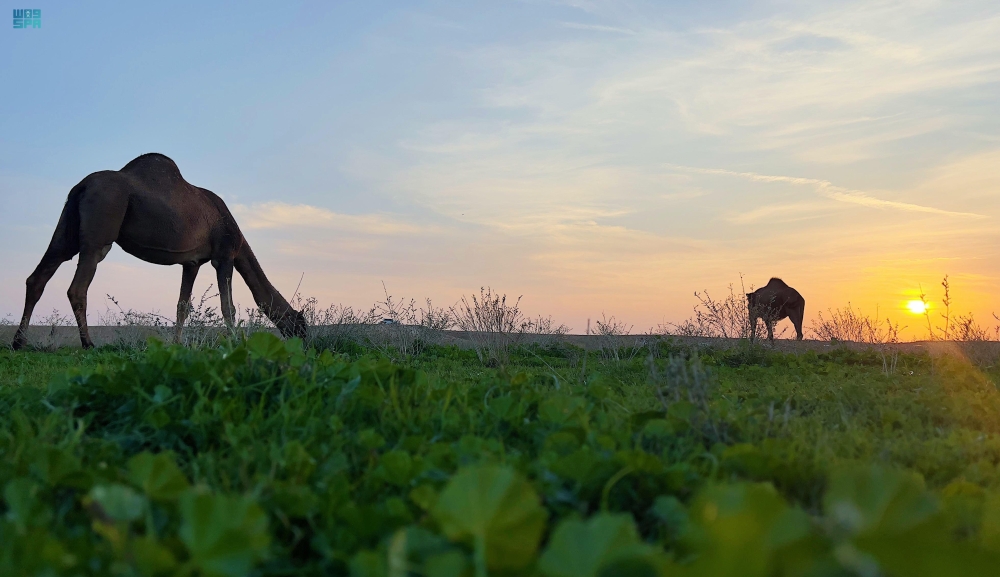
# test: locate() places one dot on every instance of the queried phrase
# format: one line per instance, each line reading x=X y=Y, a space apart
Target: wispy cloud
x=832 y=191
x=598 y=28
x=282 y=215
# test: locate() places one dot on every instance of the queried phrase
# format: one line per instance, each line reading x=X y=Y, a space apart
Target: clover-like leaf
x=497 y=511
x=878 y=500
x=224 y=534
x=590 y=548
x=157 y=475
x=740 y=528
x=267 y=346
x=117 y=502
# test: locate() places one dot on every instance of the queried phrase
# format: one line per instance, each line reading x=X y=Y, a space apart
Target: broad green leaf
x=447 y=564
x=25 y=506
x=878 y=500
x=989 y=532
x=928 y=552
x=589 y=548
x=424 y=496
x=267 y=346
x=370 y=439
x=54 y=466
x=560 y=409
x=295 y=500
x=152 y=558
x=397 y=467
x=738 y=529
x=369 y=564
x=157 y=475
x=497 y=511
x=298 y=462
x=224 y=534
x=118 y=502
x=669 y=510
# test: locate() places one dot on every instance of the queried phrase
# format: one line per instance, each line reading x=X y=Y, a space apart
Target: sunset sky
x=595 y=157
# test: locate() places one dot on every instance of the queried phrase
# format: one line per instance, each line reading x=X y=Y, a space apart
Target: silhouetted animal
x=154 y=214
x=773 y=302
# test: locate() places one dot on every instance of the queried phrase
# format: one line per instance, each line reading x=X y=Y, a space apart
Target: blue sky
x=593 y=156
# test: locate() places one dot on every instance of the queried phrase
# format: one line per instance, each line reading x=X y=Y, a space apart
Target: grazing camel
x=773 y=302
x=154 y=214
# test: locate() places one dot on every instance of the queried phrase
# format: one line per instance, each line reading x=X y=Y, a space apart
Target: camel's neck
x=268 y=299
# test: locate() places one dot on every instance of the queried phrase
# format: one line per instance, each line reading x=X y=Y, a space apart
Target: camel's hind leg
x=35 y=286
x=65 y=244
x=86 y=267
x=795 y=315
x=184 y=302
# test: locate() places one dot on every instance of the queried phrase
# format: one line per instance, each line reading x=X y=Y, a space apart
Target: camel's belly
x=159 y=233
x=162 y=255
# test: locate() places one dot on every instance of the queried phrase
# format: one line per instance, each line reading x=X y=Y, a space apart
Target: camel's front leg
x=86 y=267
x=184 y=302
x=224 y=271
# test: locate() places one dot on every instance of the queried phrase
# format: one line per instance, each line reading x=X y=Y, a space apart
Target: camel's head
x=292 y=324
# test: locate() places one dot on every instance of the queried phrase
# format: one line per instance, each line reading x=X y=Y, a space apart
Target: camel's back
x=168 y=216
x=156 y=171
x=776 y=290
x=156 y=180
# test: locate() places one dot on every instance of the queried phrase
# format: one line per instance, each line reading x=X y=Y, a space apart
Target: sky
x=598 y=158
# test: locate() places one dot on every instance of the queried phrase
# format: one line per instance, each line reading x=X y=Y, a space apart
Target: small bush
x=493 y=324
x=728 y=318
x=854 y=326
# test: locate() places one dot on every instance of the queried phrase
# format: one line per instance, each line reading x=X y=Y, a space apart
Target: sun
x=917 y=307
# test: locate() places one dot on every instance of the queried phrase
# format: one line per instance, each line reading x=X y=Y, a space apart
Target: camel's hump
x=777 y=281
x=152 y=161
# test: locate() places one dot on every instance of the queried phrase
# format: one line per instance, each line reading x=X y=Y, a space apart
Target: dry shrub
x=854 y=326
x=610 y=333
x=203 y=326
x=727 y=318
x=492 y=324
x=53 y=321
x=436 y=319
x=978 y=343
x=396 y=332
x=545 y=332
x=336 y=326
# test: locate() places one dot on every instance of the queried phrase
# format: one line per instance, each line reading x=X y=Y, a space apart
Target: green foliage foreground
x=264 y=459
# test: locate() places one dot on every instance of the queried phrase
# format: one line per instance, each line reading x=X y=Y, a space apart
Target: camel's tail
x=65 y=241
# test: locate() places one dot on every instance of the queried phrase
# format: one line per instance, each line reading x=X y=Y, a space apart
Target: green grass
x=262 y=458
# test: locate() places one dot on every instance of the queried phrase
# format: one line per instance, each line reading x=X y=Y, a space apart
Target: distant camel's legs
x=35 y=286
x=224 y=272
x=770 y=329
x=795 y=315
x=184 y=302
x=753 y=326
x=77 y=293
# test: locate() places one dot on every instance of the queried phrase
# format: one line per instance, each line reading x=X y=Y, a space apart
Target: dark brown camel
x=773 y=302
x=154 y=214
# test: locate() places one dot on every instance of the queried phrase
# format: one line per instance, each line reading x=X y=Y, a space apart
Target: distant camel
x=773 y=302
x=154 y=214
